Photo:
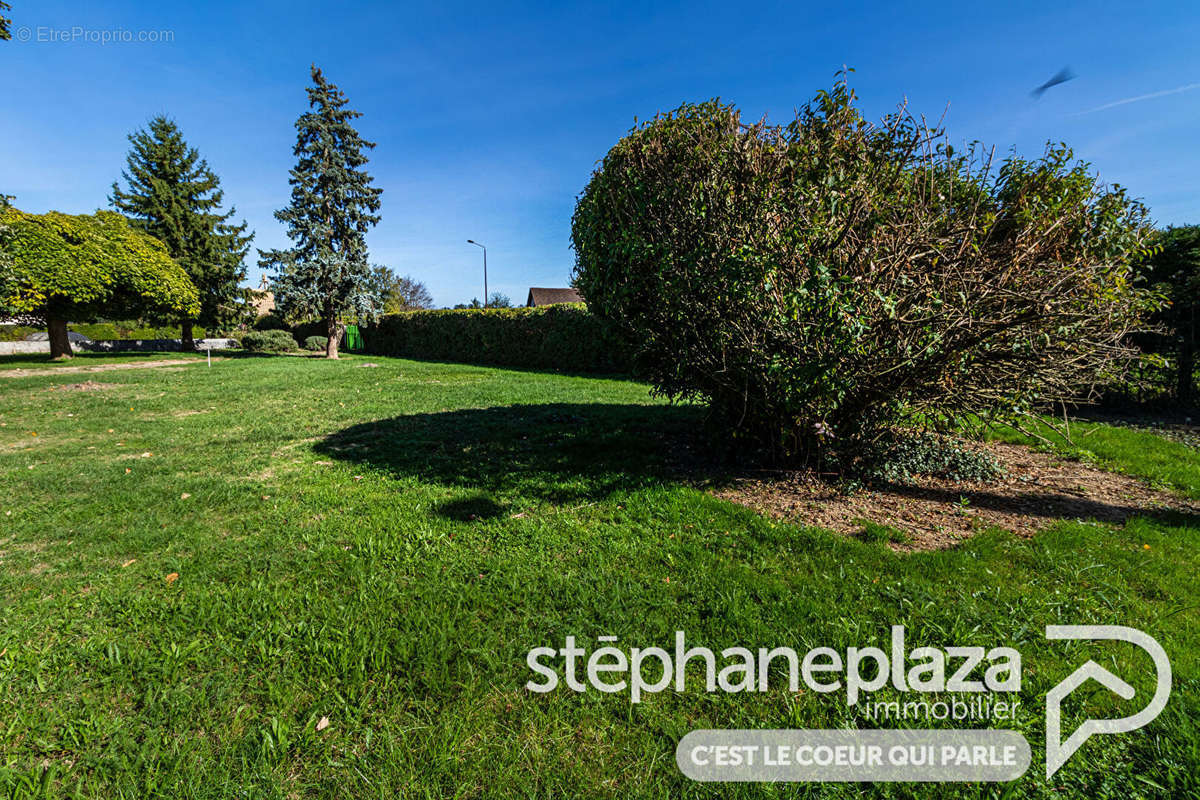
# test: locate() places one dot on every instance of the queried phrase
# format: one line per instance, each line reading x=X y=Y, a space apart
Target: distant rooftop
x=539 y=296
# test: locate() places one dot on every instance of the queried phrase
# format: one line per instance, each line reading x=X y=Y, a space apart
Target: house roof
x=540 y=296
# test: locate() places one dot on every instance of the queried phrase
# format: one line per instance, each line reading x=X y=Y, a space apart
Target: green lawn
x=382 y=545
x=86 y=361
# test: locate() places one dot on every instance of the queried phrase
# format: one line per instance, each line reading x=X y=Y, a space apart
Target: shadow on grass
x=470 y=508
x=1044 y=503
x=558 y=453
x=83 y=358
x=573 y=453
x=562 y=372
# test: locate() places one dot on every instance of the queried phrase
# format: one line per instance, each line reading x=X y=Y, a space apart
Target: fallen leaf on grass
x=322 y=723
x=127 y=563
x=184 y=496
x=174 y=576
x=128 y=470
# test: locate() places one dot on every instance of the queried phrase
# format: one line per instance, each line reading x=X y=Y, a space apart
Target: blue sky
x=490 y=117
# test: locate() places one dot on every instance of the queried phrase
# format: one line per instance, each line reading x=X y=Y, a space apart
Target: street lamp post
x=485 y=294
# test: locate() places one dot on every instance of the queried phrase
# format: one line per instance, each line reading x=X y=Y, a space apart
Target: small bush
x=273 y=341
x=304 y=330
x=901 y=457
x=316 y=343
x=563 y=337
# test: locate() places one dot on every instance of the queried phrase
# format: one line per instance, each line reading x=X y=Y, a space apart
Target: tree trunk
x=333 y=330
x=186 y=340
x=60 y=343
x=1187 y=363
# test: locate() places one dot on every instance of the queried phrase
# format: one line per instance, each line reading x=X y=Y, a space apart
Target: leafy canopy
x=78 y=267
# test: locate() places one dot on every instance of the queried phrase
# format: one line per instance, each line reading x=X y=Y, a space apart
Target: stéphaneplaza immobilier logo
x=984 y=684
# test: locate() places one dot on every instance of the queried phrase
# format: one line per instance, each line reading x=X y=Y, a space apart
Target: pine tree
x=325 y=274
x=175 y=197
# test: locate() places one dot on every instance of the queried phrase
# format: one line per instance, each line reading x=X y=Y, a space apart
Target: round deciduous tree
x=817 y=283
x=66 y=267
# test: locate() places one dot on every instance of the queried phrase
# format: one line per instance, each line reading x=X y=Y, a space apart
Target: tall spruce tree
x=325 y=275
x=174 y=196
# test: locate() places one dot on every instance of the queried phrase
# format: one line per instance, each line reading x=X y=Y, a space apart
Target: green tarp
x=354 y=340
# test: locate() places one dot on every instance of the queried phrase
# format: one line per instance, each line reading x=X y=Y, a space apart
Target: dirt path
x=29 y=373
x=1038 y=490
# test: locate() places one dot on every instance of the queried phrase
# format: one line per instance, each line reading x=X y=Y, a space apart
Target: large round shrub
x=272 y=341
x=816 y=283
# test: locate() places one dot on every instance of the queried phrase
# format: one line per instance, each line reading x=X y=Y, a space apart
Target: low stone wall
x=13 y=348
x=149 y=345
x=117 y=346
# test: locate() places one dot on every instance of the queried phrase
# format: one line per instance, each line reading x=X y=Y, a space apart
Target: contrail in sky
x=1141 y=97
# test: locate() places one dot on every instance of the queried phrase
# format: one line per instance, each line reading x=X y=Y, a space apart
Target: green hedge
x=121 y=329
x=16 y=333
x=561 y=337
